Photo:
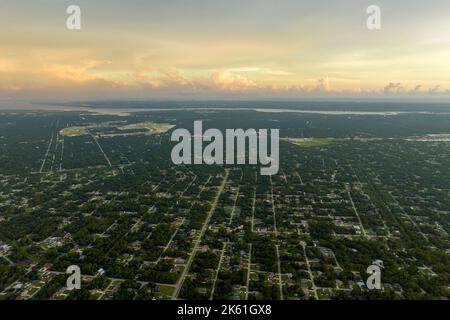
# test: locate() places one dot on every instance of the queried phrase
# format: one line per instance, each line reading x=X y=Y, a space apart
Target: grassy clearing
x=152 y=128
x=73 y=131
x=310 y=142
x=148 y=128
x=167 y=291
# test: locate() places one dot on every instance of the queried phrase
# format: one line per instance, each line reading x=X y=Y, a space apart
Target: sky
x=224 y=49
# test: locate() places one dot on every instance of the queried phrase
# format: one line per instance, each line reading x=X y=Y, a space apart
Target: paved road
x=46 y=154
x=248 y=270
x=101 y=149
x=279 y=273
x=309 y=271
x=7 y=259
x=363 y=231
x=218 y=270
x=180 y=281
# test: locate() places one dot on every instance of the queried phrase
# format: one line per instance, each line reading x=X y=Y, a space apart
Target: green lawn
x=167 y=291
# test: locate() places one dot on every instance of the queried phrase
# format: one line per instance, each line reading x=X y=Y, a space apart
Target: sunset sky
x=224 y=49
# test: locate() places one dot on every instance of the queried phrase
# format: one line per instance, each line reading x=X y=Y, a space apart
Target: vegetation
x=100 y=192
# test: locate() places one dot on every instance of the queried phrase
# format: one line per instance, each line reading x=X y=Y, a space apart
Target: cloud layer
x=226 y=49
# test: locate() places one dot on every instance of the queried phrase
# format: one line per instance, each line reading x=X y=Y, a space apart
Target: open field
x=119 y=129
x=309 y=142
x=152 y=128
x=73 y=131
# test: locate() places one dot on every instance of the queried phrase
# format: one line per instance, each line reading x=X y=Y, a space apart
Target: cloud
x=435 y=89
x=261 y=71
x=417 y=88
x=73 y=72
x=144 y=80
x=226 y=80
x=399 y=88
x=323 y=85
x=102 y=78
x=11 y=88
x=172 y=76
x=393 y=88
x=7 y=65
